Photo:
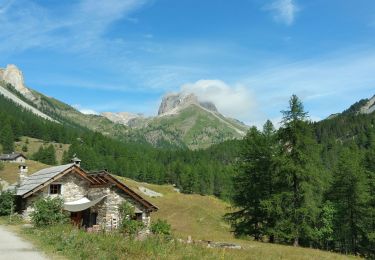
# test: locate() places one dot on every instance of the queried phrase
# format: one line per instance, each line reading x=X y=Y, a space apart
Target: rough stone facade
x=74 y=187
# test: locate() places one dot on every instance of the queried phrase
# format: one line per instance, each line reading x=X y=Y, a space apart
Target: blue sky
x=247 y=56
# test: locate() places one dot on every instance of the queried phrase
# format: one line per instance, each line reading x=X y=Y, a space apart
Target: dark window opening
x=55 y=189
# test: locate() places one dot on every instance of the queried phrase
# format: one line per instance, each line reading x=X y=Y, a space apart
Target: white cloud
x=284 y=11
x=86 y=111
x=234 y=101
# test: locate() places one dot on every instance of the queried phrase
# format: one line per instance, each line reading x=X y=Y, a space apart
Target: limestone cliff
x=172 y=103
x=12 y=75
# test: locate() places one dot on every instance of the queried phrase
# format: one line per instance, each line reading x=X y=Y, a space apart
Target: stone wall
x=74 y=188
x=108 y=209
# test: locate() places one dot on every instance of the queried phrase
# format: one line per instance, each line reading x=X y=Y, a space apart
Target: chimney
x=23 y=169
x=76 y=161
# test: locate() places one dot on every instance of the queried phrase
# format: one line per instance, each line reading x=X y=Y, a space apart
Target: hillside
x=200 y=217
x=193 y=127
x=186 y=123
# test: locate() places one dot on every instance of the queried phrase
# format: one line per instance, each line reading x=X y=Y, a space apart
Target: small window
x=55 y=189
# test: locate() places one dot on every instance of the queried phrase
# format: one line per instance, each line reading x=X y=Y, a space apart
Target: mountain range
x=182 y=121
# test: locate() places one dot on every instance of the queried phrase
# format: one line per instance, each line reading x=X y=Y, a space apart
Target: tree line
x=291 y=189
x=309 y=184
x=203 y=171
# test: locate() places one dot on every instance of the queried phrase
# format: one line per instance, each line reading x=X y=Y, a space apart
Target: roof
x=41 y=177
x=103 y=177
x=11 y=156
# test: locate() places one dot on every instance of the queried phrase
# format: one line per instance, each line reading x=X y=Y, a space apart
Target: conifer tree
x=351 y=197
x=299 y=177
x=253 y=183
x=7 y=138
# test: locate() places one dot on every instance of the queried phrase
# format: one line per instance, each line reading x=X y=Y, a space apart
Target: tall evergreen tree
x=7 y=138
x=299 y=177
x=350 y=194
x=253 y=183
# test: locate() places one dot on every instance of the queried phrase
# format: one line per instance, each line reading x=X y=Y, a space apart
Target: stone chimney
x=76 y=161
x=23 y=169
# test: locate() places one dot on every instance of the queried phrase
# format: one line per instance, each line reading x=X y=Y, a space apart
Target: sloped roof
x=11 y=156
x=43 y=177
x=103 y=177
x=40 y=177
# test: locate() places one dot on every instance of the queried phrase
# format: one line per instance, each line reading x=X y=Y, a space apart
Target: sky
x=246 y=56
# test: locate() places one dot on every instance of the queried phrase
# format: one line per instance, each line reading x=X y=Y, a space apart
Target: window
x=55 y=189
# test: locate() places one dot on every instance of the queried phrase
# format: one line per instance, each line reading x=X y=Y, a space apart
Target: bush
x=7 y=203
x=24 y=148
x=48 y=211
x=161 y=227
x=1 y=166
x=128 y=225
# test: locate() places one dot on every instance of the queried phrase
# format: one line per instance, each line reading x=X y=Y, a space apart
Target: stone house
x=91 y=199
x=13 y=158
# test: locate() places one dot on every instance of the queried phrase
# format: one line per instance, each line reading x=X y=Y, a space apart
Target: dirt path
x=13 y=247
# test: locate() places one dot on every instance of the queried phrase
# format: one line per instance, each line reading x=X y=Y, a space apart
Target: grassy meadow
x=200 y=217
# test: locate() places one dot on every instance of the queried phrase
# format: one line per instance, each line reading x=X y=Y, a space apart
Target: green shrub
x=7 y=203
x=128 y=225
x=161 y=227
x=48 y=211
x=24 y=148
x=1 y=166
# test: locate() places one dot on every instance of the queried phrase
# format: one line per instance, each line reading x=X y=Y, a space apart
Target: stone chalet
x=13 y=158
x=92 y=199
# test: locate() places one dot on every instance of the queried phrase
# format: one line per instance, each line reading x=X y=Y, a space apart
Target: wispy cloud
x=80 y=26
x=284 y=11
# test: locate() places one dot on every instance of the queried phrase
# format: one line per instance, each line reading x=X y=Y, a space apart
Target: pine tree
x=253 y=183
x=7 y=138
x=351 y=197
x=299 y=177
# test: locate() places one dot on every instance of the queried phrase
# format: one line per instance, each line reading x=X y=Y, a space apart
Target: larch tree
x=299 y=177
x=253 y=183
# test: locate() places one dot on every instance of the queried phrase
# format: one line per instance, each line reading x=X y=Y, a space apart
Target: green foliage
x=253 y=183
x=299 y=177
x=7 y=137
x=320 y=195
x=48 y=211
x=202 y=171
x=7 y=203
x=161 y=227
x=24 y=148
x=46 y=155
x=78 y=244
x=324 y=231
x=351 y=197
x=128 y=224
x=1 y=166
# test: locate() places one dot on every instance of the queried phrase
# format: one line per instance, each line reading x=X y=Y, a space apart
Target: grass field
x=10 y=173
x=33 y=146
x=200 y=217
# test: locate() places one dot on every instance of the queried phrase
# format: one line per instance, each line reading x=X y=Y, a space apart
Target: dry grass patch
x=10 y=173
x=202 y=218
x=34 y=144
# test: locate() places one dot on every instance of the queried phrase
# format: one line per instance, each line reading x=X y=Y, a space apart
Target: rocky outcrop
x=121 y=117
x=12 y=75
x=369 y=107
x=172 y=103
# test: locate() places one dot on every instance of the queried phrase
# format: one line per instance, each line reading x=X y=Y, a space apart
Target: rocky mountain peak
x=172 y=103
x=12 y=75
x=121 y=117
